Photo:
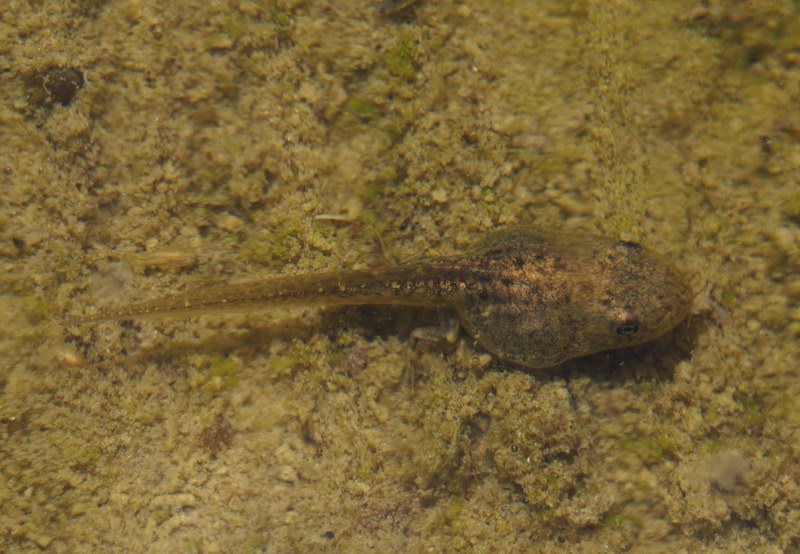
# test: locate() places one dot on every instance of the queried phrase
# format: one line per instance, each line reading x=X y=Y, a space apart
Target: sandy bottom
x=146 y=149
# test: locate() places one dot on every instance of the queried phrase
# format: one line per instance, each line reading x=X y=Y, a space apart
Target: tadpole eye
x=627 y=327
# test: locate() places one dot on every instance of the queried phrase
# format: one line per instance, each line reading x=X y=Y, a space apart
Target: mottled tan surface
x=207 y=137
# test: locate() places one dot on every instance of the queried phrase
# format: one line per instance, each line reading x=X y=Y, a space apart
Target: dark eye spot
x=628 y=327
x=630 y=245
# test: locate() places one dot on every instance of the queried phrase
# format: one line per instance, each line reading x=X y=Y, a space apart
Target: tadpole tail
x=429 y=284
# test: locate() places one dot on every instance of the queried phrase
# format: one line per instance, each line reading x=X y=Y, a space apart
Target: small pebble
x=62 y=83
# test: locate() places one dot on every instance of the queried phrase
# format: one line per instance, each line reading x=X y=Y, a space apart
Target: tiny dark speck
x=630 y=245
x=766 y=145
x=387 y=7
x=329 y=535
x=216 y=436
x=62 y=83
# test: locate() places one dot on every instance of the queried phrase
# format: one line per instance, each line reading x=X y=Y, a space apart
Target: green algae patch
x=614 y=521
x=791 y=205
x=648 y=450
x=399 y=59
x=455 y=507
x=282 y=366
x=752 y=411
x=36 y=309
x=273 y=248
x=224 y=372
x=212 y=374
x=362 y=108
x=88 y=457
x=278 y=13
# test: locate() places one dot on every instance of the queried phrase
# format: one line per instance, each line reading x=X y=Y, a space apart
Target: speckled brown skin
x=552 y=296
x=531 y=297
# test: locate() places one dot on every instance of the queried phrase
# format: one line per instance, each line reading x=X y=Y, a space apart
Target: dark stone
x=62 y=83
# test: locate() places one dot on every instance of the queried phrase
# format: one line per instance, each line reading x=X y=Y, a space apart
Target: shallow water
x=204 y=144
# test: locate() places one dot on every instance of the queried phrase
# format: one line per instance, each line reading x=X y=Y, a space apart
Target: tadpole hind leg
x=445 y=335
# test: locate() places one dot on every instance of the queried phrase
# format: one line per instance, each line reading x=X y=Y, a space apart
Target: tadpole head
x=641 y=295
